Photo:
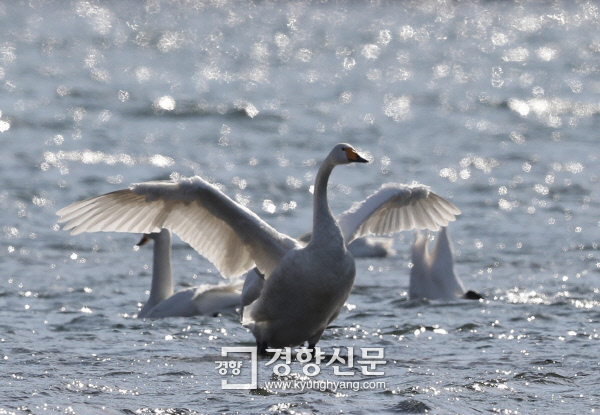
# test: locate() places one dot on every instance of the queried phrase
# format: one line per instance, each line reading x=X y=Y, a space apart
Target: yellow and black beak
x=145 y=239
x=354 y=156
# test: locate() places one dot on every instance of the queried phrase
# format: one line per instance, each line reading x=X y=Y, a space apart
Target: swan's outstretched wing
x=394 y=208
x=229 y=235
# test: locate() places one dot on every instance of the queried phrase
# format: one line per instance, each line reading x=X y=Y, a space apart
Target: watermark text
x=241 y=363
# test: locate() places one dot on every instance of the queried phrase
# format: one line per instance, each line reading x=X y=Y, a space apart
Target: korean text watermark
x=240 y=367
x=235 y=367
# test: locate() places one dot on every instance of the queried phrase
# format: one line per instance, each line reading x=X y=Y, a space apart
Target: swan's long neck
x=324 y=225
x=162 y=276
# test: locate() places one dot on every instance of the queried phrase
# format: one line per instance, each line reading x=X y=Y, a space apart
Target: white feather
x=397 y=207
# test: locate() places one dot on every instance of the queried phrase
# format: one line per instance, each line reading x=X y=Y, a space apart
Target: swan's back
x=219 y=299
x=179 y=304
x=205 y=300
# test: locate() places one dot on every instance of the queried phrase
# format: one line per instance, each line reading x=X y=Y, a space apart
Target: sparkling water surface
x=495 y=105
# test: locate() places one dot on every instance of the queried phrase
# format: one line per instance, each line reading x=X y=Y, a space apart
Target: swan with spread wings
x=305 y=285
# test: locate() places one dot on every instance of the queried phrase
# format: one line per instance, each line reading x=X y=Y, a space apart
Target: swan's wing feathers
x=113 y=211
x=229 y=235
x=395 y=208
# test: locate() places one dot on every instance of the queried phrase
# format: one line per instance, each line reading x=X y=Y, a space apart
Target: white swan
x=207 y=300
x=371 y=247
x=304 y=286
x=433 y=275
x=395 y=207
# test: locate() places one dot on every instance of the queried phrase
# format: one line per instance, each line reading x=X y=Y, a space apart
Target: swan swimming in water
x=207 y=300
x=393 y=208
x=371 y=247
x=305 y=286
x=433 y=275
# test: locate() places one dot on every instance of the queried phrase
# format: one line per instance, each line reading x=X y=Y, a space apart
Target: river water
x=493 y=104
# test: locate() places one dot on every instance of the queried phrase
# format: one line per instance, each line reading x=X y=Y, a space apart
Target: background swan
x=433 y=275
x=304 y=286
x=371 y=247
x=203 y=300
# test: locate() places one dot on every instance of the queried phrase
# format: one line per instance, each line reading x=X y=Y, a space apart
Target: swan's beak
x=145 y=239
x=354 y=157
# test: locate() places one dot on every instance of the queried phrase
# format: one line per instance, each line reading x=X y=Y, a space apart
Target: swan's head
x=147 y=237
x=345 y=154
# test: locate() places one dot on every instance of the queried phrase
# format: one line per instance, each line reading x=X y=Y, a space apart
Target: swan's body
x=307 y=290
x=433 y=274
x=203 y=300
x=393 y=208
x=304 y=286
x=371 y=247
